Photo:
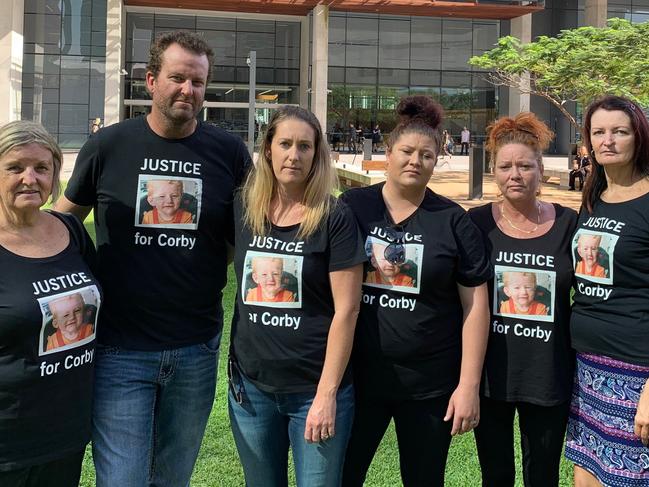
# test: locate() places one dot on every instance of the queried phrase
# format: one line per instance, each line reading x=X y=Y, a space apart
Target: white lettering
x=402 y=302
x=171 y=165
x=604 y=223
x=536 y=332
x=525 y=259
x=594 y=291
x=165 y=240
x=60 y=282
x=276 y=244
x=500 y=328
x=285 y=321
x=72 y=361
x=407 y=236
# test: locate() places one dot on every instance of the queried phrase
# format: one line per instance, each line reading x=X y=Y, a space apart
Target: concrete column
x=521 y=27
x=115 y=39
x=595 y=12
x=11 y=60
x=320 y=63
x=304 y=62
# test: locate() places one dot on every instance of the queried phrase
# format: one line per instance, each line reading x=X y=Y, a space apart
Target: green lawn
x=218 y=464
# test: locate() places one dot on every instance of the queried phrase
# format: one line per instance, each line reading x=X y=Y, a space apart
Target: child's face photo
x=378 y=261
x=67 y=315
x=521 y=288
x=267 y=273
x=588 y=248
x=165 y=196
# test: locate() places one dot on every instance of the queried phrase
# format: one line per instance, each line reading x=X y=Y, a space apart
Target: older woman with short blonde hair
x=45 y=389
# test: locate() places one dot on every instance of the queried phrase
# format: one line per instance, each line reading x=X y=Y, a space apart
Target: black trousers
x=543 y=429
x=64 y=472
x=575 y=174
x=465 y=146
x=422 y=435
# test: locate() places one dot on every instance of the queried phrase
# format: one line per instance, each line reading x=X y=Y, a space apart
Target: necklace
x=511 y=224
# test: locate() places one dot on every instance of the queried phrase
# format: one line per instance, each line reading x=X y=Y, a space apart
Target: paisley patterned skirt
x=600 y=436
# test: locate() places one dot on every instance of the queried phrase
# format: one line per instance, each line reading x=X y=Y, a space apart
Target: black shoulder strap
x=76 y=229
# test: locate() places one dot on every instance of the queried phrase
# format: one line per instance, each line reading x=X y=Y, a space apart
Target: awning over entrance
x=485 y=9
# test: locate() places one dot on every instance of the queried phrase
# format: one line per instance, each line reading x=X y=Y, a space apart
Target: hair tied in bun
x=420 y=108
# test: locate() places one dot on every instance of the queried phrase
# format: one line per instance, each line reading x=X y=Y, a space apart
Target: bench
x=562 y=174
x=367 y=165
x=353 y=178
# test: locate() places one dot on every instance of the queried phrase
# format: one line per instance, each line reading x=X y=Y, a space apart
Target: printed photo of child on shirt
x=272 y=280
x=396 y=275
x=593 y=254
x=69 y=319
x=520 y=294
x=168 y=203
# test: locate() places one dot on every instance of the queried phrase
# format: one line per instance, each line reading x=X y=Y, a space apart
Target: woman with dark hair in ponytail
x=529 y=364
x=608 y=426
x=422 y=328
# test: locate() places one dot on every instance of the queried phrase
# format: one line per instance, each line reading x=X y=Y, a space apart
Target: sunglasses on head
x=395 y=252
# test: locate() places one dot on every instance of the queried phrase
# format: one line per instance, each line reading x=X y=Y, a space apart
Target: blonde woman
x=47 y=339
x=290 y=385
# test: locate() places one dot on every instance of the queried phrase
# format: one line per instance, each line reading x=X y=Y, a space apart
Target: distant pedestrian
x=351 y=138
x=376 y=138
x=464 y=140
x=336 y=137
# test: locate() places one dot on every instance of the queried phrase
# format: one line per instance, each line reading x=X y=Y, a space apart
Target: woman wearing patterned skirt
x=608 y=428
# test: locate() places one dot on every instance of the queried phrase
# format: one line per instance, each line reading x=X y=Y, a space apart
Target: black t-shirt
x=529 y=357
x=284 y=300
x=611 y=256
x=48 y=317
x=163 y=213
x=409 y=333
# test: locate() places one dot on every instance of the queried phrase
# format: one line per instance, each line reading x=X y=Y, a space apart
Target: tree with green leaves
x=578 y=65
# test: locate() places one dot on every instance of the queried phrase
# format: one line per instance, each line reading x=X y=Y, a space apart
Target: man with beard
x=160 y=331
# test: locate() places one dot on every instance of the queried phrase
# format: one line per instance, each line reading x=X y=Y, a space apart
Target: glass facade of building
x=277 y=44
x=374 y=60
x=64 y=59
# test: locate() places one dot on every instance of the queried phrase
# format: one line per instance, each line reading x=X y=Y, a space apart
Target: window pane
x=425 y=78
x=425 y=43
x=394 y=44
x=361 y=76
x=73 y=118
x=212 y=23
x=362 y=31
x=52 y=7
x=49 y=117
x=336 y=75
x=457 y=79
x=263 y=43
x=393 y=77
x=255 y=25
x=336 y=54
x=361 y=55
x=337 y=23
x=485 y=36
x=175 y=22
x=456 y=44
x=287 y=34
x=74 y=89
x=42 y=29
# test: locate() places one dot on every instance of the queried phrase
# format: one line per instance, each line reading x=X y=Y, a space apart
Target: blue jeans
x=149 y=414
x=264 y=425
